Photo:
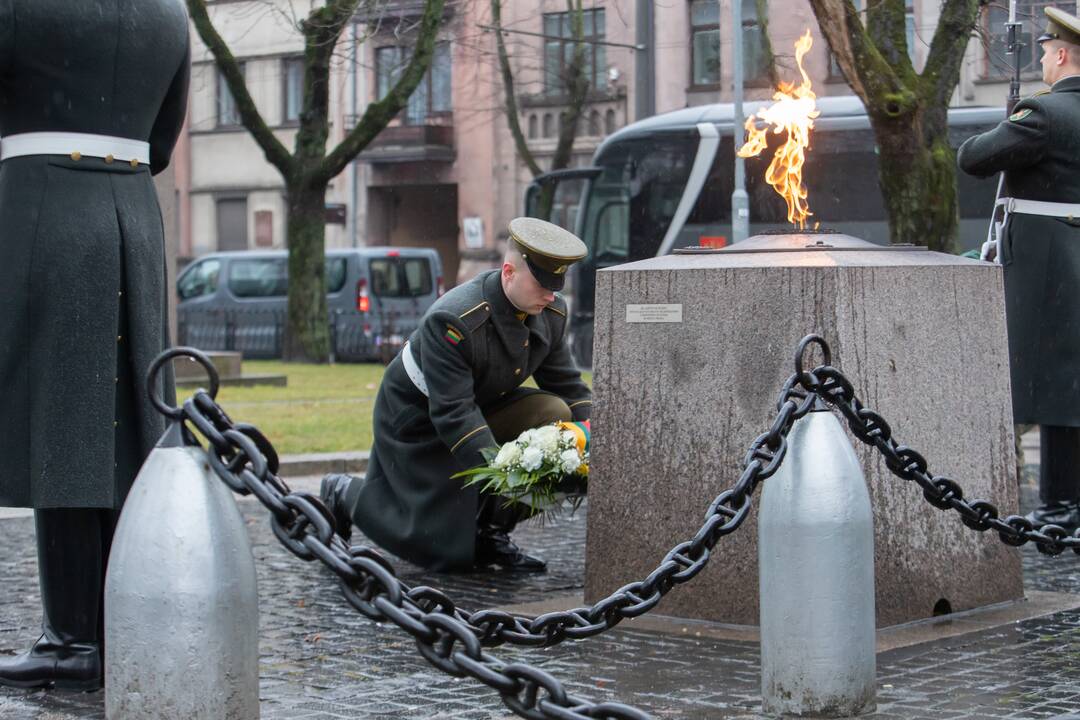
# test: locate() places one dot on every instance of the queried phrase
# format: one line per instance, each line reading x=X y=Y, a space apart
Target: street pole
x=1014 y=49
x=644 y=62
x=740 y=201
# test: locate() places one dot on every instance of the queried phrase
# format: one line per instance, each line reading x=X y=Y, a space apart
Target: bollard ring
x=803 y=345
x=155 y=367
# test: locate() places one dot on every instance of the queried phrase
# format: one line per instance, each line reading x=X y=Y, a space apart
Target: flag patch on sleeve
x=453 y=335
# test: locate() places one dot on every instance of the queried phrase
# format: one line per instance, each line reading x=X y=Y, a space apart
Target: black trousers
x=1059 y=464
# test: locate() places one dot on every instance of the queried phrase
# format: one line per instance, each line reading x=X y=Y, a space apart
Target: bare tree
x=575 y=85
x=308 y=170
x=908 y=110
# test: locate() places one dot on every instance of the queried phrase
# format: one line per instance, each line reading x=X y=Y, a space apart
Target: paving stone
x=321 y=660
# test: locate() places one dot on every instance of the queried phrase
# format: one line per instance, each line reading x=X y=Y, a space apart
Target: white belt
x=1038 y=207
x=413 y=370
x=1009 y=205
x=76 y=146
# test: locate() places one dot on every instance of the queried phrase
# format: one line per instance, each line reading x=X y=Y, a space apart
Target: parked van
x=375 y=297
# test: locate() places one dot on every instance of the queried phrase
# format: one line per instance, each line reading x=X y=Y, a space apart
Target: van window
x=335 y=274
x=265 y=277
x=401 y=277
x=269 y=277
x=201 y=279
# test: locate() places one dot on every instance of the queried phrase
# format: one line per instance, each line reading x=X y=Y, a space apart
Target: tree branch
x=868 y=73
x=958 y=21
x=510 y=105
x=379 y=114
x=272 y=148
x=886 y=25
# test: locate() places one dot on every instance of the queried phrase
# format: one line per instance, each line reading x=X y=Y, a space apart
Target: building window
x=431 y=97
x=609 y=122
x=999 y=64
x=594 y=124
x=755 y=57
x=532 y=127
x=559 y=49
x=293 y=89
x=228 y=115
x=704 y=42
x=549 y=125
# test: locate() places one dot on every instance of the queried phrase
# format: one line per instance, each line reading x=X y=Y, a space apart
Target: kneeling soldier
x=453 y=390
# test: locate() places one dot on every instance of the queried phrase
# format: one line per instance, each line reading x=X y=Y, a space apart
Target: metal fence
x=259 y=333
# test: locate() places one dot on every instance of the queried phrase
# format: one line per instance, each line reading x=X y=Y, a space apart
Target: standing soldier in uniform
x=1038 y=148
x=92 y=98
x=454 y=390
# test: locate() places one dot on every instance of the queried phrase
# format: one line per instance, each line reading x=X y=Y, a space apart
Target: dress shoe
x=1063 y=514
x=332 y=491
x=70 y=666
x=494 y=547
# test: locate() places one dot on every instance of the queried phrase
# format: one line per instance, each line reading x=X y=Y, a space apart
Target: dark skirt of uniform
x=1041 y=261
x=82 y=315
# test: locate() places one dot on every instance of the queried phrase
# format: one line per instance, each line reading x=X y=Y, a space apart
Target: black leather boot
x=72 y=550
x=494 y=521
x=1059 y=478
x=332 y=491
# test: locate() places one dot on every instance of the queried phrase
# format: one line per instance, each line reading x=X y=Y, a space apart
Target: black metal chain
x=246 y=461
x=233 y=447
x=904 y=462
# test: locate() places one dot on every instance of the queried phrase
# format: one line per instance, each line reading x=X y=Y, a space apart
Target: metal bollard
x=181 y=605
x=816 y=566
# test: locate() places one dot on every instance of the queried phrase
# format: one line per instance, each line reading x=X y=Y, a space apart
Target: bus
x=665 y=182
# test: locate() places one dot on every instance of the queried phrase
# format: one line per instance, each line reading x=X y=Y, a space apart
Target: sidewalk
x=321 y=660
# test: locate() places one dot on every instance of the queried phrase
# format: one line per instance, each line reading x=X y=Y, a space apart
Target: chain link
x=906 y=463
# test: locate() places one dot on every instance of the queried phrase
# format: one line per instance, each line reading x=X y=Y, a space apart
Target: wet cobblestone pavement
x=321 y=660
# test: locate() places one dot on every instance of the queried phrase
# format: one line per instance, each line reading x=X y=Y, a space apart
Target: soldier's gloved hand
x=989 y=251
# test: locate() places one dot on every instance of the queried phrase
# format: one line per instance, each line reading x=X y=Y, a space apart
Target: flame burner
x=786 y=241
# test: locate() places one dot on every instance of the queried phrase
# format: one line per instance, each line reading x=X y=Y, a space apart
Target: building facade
x=446 y=173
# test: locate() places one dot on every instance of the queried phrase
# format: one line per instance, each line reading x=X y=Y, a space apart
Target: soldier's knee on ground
x=533 y=410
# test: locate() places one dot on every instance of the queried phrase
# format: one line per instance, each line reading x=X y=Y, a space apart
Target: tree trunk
x=307 y=336
x=917 y=172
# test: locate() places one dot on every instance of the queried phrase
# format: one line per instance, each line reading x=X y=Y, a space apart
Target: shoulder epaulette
x=557 y=311
x=1041 y=92
x=476 y=316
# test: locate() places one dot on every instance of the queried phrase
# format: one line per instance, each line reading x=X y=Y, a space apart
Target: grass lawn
x=324 y=408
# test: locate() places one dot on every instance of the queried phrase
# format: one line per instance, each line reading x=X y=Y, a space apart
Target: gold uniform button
x=517 y=371
x=76 y=156
x=119 y=338
x=109 y=159
x=525 y=344
x=134 y=162
x=502 y=393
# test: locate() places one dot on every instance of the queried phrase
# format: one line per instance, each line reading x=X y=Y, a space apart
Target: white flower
x=509 y=454
x=570 y=460
x=546 y=438
x=532 y=458
x=569 y=438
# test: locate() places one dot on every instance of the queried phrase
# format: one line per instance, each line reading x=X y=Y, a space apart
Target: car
x=375 y=298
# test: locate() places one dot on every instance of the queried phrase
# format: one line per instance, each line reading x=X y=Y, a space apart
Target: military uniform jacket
x=82 y=263
x=1038 y=148
x=474 y=353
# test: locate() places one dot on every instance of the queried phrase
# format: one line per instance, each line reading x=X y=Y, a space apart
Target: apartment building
x=446 y=173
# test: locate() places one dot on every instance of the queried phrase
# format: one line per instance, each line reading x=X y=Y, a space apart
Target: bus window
x=633 y=200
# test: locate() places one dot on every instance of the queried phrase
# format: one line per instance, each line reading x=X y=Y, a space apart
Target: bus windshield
x=632 y=202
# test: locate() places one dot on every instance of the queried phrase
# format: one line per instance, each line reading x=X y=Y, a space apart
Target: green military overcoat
x=474 y=354
x=1038 y=148
x=82 y=261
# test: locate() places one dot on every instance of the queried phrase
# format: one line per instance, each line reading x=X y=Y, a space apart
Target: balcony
x=411 y=143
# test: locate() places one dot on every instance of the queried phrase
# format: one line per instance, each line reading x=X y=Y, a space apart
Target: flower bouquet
x=543 y=469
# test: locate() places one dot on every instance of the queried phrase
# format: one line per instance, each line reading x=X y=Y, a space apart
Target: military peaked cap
x=548 y=249
x=1062 y=26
